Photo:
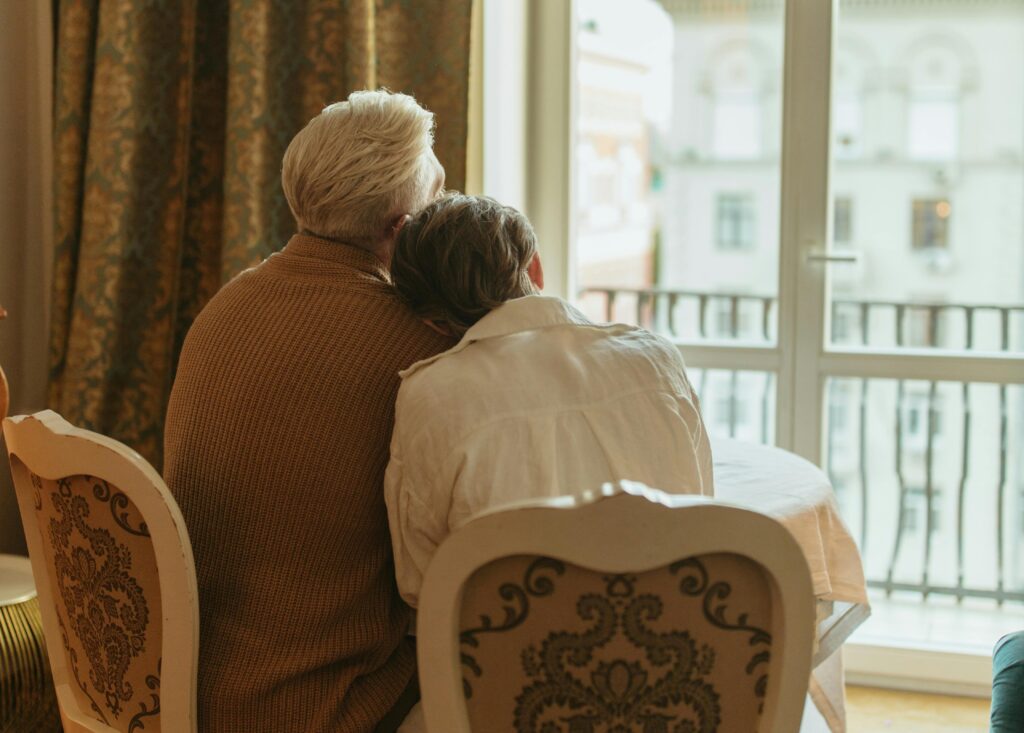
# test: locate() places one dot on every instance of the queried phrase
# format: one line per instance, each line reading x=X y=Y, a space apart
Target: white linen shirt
x=535 y=401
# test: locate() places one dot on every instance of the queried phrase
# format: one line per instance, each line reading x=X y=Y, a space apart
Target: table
x=800 y=496
x=27 y=698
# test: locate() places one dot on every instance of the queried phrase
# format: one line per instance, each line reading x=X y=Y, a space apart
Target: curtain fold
x=171 y=118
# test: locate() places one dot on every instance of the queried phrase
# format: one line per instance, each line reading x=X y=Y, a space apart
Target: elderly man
x=277 y=439
x=534 y=400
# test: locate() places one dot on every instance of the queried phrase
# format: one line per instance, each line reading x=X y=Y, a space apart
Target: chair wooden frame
x=50 y=447
x=623 y=528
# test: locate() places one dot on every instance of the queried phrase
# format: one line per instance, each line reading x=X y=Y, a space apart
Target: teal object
x=1008 y=684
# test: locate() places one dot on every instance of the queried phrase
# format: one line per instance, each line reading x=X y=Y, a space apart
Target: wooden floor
x=870 y=710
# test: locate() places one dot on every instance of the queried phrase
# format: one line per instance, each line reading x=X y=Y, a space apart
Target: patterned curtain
x=171 y=118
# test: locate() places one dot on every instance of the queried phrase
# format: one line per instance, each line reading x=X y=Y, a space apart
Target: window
x=916 y=503
x=936 y=76
x=842 y=225
x=916 y=423
x=736 y=85
x=735 y=216
x=933 y=128
x=931 y=224
x=727 y=323
x=737 y=125
x=846 y=124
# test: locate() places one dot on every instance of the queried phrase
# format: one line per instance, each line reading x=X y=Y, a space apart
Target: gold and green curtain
x=171 y=118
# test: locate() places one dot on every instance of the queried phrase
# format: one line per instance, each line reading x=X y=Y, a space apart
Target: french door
x=823 y=204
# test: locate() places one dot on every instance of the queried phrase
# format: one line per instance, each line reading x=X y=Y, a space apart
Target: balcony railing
x=952 y=451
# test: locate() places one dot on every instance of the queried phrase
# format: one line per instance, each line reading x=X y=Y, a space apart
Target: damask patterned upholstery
x=549 y=647
x=103 y=572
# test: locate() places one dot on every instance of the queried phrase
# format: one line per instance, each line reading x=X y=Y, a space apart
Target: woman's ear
x=535 y=271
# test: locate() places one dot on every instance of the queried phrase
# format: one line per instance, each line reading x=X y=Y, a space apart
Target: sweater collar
x=306 y=245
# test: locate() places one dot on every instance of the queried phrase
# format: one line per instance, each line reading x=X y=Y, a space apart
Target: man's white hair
x=358 y=165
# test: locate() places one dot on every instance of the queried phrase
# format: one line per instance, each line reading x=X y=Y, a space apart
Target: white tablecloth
x=799 y=495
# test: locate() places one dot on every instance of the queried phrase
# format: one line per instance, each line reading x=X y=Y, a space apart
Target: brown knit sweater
x=275 y=447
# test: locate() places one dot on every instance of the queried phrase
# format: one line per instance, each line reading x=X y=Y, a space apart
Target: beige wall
x=25 y=221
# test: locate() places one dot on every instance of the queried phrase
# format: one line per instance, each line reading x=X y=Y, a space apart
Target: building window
x=914 y=508
x=933 y=128
x=737 y=126
x=728 y=324
x=735 y=217
x=931 y=224
x=737 y=109
x=842 y=224
x=846 y=125
x=916 y=422
x=936 y=79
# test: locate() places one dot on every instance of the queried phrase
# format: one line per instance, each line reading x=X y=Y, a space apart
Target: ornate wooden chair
x=627 y=610
x=113 y=566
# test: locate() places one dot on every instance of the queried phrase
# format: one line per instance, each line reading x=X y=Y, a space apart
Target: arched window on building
x=737 y=88
x=936 y=78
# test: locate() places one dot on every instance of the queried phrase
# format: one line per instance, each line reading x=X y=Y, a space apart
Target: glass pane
x=930 y=480
x=737 y=404
x=677 y=166
x=928 y=176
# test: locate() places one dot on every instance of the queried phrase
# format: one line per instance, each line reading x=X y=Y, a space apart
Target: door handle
x=851 y=258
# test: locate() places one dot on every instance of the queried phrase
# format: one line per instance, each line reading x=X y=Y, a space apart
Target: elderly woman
x=277 y=439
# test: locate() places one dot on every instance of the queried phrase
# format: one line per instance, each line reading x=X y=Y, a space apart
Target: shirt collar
x=306 y=245
x=529 y=313
x=524 y=314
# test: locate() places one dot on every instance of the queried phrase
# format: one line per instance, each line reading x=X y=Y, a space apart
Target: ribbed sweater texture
x=276 y=443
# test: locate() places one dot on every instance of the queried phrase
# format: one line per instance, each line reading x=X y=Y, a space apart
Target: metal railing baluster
x=862 y=438
x=929 y=487
x=862 y=464
x=965 y=449
x=1003 y=447
x=900 y=521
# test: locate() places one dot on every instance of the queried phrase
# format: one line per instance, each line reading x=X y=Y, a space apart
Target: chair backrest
x=113 y=567
x=625 y=609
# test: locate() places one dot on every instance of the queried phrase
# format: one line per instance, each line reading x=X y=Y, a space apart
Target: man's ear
x=535 y=271
x=397 y=223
